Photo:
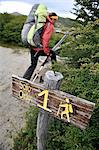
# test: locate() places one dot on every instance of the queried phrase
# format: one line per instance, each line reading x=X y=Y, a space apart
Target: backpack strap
x=36 y=18
x=36 y=21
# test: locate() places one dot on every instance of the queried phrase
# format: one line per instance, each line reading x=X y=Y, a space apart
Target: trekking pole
x=57 y=45
x=61 y=41
x=42 y=65
x=53 y=49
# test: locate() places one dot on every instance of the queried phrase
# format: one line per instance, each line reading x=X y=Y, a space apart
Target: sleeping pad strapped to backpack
x=33 y=26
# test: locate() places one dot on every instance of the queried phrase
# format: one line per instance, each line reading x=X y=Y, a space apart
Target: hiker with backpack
x=38 y=41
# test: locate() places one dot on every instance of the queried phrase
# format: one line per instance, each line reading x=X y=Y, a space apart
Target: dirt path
x=11 y=110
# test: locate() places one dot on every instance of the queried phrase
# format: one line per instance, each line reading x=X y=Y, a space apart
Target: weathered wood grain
x=82 y=109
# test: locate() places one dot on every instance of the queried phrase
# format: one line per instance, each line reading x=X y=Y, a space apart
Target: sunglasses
x=54 y=17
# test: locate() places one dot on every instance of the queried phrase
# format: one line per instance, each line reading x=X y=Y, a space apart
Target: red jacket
x=46 y=36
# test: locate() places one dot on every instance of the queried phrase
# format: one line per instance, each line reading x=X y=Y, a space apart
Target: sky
x=61 y=7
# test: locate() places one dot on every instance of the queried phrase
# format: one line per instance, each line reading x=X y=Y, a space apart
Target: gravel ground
x=11 y=110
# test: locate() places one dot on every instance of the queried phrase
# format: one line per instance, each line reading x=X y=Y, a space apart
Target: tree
x=82 y=45
x=87 y=10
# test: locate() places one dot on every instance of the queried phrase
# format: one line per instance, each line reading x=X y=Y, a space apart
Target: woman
x=44 y=50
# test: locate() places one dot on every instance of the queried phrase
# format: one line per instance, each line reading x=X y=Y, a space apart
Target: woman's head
x=53 y=16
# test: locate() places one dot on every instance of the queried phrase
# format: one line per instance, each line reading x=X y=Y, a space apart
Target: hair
x=52 y=14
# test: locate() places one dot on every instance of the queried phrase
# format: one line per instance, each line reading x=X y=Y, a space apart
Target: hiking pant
x=34 y=59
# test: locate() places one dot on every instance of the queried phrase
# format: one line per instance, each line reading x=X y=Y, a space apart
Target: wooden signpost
x=59 y=104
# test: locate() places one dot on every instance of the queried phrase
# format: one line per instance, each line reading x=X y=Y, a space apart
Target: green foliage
x=82 y=45
x=4 y=19
x=61 y=136
x=87 y=10
x=67 y=137
x=81 y=78
x=82 y=82
x=10 y=28
x=26 y=138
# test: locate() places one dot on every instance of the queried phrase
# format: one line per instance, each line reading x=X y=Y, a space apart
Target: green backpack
x=28 y=24
x=34 y=34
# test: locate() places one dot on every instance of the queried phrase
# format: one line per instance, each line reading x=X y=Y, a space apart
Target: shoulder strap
x=36 y=18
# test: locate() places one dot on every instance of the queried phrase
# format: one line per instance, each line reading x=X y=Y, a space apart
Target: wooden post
x=52 y=80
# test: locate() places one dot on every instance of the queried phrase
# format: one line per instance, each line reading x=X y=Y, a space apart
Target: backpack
x=28 y=24
x=35 y=32
x=33 y=27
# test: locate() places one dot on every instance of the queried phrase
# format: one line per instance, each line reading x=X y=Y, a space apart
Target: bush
x=26 y=138
x=10 y=28
x=82 y=43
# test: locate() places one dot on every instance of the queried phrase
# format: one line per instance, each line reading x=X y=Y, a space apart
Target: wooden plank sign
x=59 y=104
